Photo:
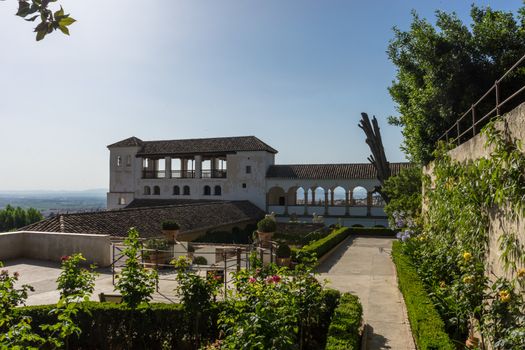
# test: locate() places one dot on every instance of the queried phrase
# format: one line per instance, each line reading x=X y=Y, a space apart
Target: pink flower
x=217 y=277
x=252 y=280
x=4 y=273
x=16 y=274
x=65 y=257
x=276 y=278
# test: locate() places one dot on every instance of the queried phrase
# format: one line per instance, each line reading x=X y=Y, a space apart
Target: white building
x=242 y=168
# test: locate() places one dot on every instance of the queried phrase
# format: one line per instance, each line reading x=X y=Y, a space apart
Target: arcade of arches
x=328 y=201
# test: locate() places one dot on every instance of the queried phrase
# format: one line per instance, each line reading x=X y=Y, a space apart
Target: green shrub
x=325 y=244
x=170 y=225
x=267 y=225
x=344 y=331
x=427 y=327
x=372 y=231
x=283 y=251
x=236 y=236
x=156 y=244
x=116 y=326
x=200 y=260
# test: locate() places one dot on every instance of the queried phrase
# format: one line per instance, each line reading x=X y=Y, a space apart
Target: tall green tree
x=443 y=69
x=13 y=218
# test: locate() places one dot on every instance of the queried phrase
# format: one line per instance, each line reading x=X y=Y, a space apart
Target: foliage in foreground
x=50 y=21
x=442 y=70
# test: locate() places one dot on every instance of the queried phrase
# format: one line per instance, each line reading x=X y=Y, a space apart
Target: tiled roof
x=141 y=203
x=203 y=146
x=129 y=142
x=330 y=171
x=191 y=217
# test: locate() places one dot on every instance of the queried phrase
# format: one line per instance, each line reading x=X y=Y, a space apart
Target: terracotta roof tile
x=129 y=142
x=330 y=171
x=203 y=146
x=147 y=220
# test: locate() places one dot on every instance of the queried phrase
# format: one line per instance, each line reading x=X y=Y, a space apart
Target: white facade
x=244 y=178
x=242 y=175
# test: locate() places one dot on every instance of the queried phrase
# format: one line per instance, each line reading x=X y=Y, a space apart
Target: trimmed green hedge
x=344 y=331
x=159 y=326
x=372 y=231
x=325 y=244
x=427 y=327
x=115 y=326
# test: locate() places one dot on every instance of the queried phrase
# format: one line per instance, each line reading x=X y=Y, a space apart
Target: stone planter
x=265 y=237
x=155 y=259
x=171 y=235
x=284 y=261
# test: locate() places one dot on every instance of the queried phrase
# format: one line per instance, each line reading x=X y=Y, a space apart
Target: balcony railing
x=214 y=174
x=153 y=174
x=183 y=174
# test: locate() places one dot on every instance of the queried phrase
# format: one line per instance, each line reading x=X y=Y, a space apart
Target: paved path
x=362 y=266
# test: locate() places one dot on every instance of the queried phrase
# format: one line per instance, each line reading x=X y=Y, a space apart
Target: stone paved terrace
x=363 y=266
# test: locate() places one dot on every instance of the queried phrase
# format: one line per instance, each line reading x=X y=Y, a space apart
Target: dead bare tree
x=378 y=157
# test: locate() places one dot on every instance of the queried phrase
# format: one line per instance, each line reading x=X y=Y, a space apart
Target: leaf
x=23 y=8
x=32 y=19
x=41 y=35
x=66 y=21
x=59 y=13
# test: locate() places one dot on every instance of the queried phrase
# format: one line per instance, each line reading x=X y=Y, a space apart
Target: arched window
x=207 y=190
x=186 y=190
x=156 y=190
x=359 y=196
x=217 y=190
x=176 y=190
x=147 y=190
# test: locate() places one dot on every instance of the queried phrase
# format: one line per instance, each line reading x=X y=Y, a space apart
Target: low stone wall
x=52 y=246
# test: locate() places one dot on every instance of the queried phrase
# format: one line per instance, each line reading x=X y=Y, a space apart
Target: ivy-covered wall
x=502 y=221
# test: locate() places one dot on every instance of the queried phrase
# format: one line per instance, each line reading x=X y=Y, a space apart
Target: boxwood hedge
x=427 y=327
x=344 y=331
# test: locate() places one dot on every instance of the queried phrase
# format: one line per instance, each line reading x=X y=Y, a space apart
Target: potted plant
x=265 y=229
x=157 y=252
x=283 y=254
x=170 y=229
x=200 y=260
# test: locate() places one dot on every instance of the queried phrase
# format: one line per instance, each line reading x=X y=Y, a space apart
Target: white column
x=167 y=162
x=198 y=166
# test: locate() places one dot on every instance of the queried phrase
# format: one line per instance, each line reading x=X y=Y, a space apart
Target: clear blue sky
x=296 y=74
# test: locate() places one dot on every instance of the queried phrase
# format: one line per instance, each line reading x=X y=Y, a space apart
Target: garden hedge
x=372 y=231
x=158 y=326
x=115 y=326
x=325 y=244
x=427 y=327
x=344 y=331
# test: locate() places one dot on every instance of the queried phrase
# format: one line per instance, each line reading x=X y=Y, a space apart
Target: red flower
x=276 y=278
x=252 y=280
x=65 y=257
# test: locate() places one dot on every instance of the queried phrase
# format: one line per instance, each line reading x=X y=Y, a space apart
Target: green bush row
x=115 y=326
x=372 y=231
x=159 y=326
x=427 y=327
x=325 y=244
x=344 y=331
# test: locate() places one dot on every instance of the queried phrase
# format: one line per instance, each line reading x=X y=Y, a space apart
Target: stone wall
x=473 y=149
x=52 y=246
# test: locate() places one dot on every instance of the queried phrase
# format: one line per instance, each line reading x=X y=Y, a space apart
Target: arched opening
x=207 y=190
x=319 y=196
x=377 y=200
x=217 y=190
x=359 y=196
x=147 y=190
x=291 y=196
x=156 y=190
x=276 y=196
x=186 y=190
x=299 y=196
x=338 y=196
x=176 y=190
x=309 y=197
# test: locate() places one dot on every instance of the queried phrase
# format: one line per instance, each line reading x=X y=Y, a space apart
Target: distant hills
x=50 y=203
